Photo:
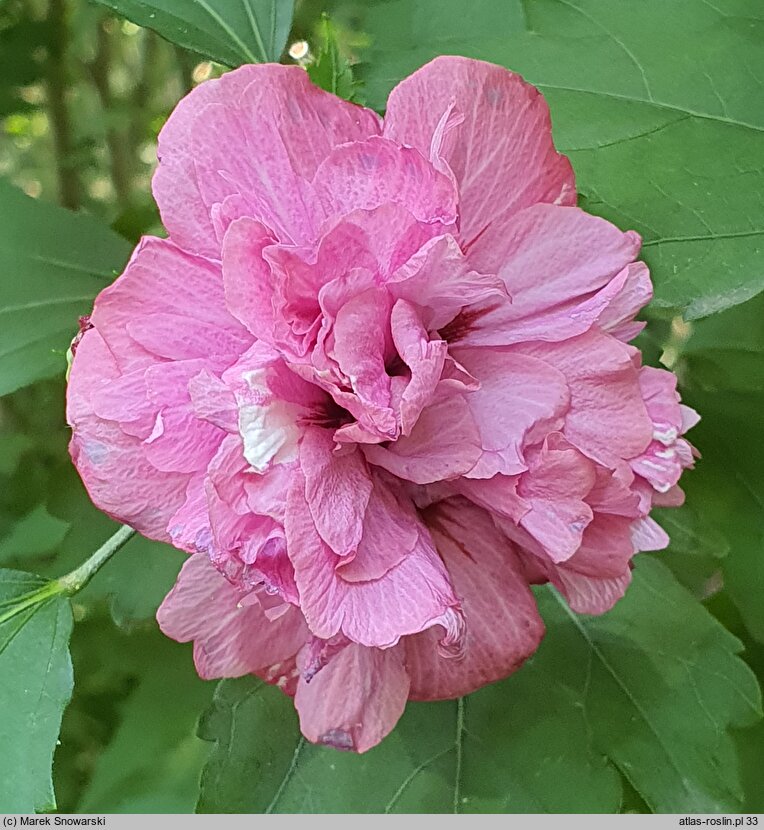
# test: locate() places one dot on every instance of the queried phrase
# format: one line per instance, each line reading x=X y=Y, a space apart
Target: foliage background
x=654 y=707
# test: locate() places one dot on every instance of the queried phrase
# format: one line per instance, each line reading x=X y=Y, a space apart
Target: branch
x=69 y=185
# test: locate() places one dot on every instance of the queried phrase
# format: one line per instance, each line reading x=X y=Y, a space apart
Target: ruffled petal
x=607 y=419
x=258 y=133
x=439 y=280
x=337 y=489
x=167 y=304
x=411 y=597
x=503 y=626
x=444 y=444
x=561 y=266
x=230 y=638
x=520 y=399
x=499 y=146
x=113 y=464
x=367 y=174
x=354 y=701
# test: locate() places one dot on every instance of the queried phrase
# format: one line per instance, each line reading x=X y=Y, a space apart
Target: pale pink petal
x=518 y=397
x=590 y=595
x=257 y=132
x=189 y=527
x=607 y=419
x=411 y=597
x=247 y=276
x=166 y=303
x=230 y=639
x=391 y=532
x=355 y=700
x=125 y=399
x=424 y=357
x=556 y=487
x=367 y=174
x=439 y=280
x=501 y=153
x=361 y=335
x=113 y=465
x=444 y=444
x=185 y=444
x=337 y=489
x=636 y=293
x=212 y=400
x=667 y=455
x=647 y=534
x=561 y=266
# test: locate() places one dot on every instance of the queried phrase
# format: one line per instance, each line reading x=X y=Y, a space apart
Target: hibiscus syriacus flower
x=376 y=383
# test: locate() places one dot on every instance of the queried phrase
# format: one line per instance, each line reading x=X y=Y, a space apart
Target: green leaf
x=231 y=33
x=649 y=689
x=153 y=761
x=35 y=686
x=33 y=535
x=642 y=95
x=330 y=70
x=53 y=263
x=697 y=546
x=660 y=682
x=729 y=484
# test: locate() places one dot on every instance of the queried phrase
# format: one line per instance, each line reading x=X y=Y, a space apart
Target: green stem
x=75 y=580
x=79 y=577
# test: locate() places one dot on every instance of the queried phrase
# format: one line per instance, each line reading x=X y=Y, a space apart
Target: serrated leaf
x=247 y=31
x=642 y=95
x=153 y=761
x=35 y=687
x=53 y=263
x=652 y=687
x=660 y=683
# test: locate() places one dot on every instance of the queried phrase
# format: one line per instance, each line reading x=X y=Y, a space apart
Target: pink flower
x=376 y=383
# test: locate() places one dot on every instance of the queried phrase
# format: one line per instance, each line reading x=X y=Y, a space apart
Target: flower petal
x=208 y=151
x=561 y=266
x=169 y=304
x=411 y=597
x=607 y=419
x=230 y=639
x=518 y=395
x=444 y=444
x=337 y=489
x=355 y=700
x=501 y=152
x=113 y=464
x=365 y=175
x=503 y=624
